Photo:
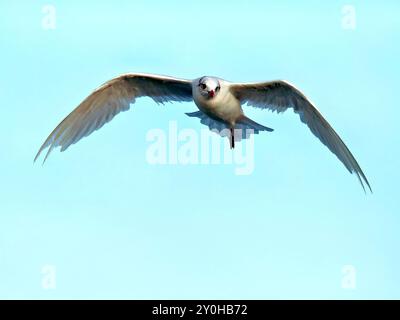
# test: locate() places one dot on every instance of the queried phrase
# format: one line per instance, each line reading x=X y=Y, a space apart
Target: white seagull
x=219 y=103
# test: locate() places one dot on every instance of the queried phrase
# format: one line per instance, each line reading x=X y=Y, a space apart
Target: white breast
x=223 y=106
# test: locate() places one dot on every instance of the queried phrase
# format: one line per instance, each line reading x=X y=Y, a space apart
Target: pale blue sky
x=115 y=226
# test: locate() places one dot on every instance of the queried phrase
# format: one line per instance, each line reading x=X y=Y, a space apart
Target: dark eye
x=217 y=88
x=203 y=86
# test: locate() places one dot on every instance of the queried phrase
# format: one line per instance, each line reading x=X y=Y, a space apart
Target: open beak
x=211 y=93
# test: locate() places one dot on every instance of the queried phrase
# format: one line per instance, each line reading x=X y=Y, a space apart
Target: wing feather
x=279 y=96
x=108 y=100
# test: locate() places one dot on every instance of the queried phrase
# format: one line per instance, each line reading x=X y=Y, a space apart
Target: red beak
x=211 y=93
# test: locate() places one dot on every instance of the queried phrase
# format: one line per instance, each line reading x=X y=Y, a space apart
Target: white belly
x=223 y=106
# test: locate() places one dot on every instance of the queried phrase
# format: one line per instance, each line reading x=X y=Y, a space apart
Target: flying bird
x=219 y=104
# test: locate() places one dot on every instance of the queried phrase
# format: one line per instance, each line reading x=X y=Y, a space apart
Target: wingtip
x=364 y=178
x=366 y=190
x=369 y=187
x=364 y=181
x=47 y=154
x=37 y=156
x=40 y=152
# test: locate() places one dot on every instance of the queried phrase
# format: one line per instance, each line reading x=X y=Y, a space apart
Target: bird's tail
x=242 y=130
x=246 y=123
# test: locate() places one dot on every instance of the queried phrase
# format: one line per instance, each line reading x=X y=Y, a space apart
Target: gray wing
x=111 y=98
x=279 y=96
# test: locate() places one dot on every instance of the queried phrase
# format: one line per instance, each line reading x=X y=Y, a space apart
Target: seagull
x=219 y=104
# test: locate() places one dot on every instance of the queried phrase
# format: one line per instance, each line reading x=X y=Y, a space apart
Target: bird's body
x=220 y=108
x=224 y=106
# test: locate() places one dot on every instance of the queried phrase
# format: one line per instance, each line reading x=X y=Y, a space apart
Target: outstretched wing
x=111 y=98
x=281 y=95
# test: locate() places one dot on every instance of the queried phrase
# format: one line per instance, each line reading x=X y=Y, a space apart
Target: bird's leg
x=232 y=139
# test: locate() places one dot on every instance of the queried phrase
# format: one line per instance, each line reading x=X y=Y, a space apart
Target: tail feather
x=242 y=130
x=251 y=124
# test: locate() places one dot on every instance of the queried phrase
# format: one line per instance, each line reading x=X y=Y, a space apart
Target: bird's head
x=209 y=87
